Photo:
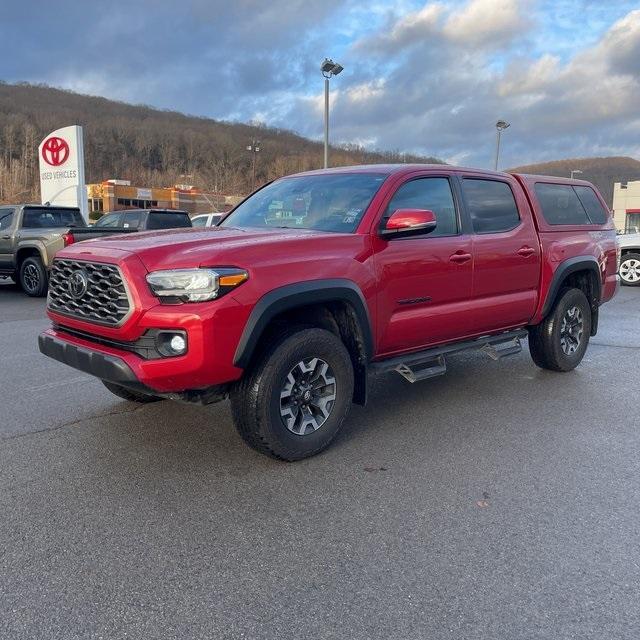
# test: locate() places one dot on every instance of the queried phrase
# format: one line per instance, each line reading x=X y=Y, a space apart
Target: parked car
x=207 y=219
x=144 y=219
x=629 y=259
x=319 y=279
x=30 y=235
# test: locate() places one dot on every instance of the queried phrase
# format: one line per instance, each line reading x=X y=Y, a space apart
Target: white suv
x=630 y=259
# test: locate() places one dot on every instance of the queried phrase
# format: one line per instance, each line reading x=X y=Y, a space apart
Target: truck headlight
x=194 y=285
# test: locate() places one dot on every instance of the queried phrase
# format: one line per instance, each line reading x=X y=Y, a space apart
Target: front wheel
x=292 y=403
x=629 y=271
x=560 y=341
x=33 y=277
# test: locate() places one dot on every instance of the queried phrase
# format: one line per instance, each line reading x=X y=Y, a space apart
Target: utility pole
x=254 y=147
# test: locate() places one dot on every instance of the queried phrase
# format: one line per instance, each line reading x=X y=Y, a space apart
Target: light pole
x=501 y=125
x=574 y=171
x=254 y=147
x=329 y=68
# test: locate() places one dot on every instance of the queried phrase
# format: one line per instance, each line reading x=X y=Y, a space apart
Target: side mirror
x=409 y=222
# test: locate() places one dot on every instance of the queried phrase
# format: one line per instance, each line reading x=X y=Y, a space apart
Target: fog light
x=178 y=344
x=171 y=343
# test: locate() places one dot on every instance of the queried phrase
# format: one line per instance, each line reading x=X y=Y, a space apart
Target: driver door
x=425 y=281
x=7 y=218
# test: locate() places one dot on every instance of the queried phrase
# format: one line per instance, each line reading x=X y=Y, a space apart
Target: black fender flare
x=566 y=268
x=302 y=294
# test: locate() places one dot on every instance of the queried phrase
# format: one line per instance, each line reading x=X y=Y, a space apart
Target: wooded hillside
x=152 y=147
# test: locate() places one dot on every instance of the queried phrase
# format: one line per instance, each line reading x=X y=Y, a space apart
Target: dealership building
x=115 y=195
x=626 y=206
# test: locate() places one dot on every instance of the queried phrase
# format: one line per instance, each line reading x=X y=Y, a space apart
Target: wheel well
x=341 y=319
x=624 y=252
x=25 y=253
x=587 y=281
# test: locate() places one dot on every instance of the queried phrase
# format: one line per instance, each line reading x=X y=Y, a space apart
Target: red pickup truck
x=319 y=279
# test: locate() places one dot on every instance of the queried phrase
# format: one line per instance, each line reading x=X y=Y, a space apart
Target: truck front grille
x=89 y=291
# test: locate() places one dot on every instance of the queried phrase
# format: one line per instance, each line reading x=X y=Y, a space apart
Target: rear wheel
x=630 y=269
x=560 y=341
x=292 y=403
x=129 y=394
x=33 y=277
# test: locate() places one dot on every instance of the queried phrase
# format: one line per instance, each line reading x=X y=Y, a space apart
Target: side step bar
x=431 y=362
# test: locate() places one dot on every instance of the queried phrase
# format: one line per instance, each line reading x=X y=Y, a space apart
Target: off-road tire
x=255 y=400
x=33 y=278
x=545 y=338
x=129 y=394
x=625 y=281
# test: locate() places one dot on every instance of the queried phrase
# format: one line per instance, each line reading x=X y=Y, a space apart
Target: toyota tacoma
x=320 y=279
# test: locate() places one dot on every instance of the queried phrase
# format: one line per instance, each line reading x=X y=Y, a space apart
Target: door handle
x=6 y=237
x=525 y=252
x=460 y=257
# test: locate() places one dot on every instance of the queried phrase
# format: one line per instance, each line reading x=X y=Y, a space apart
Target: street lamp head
x=576 y=171
x=330 y=68
x=501 y=125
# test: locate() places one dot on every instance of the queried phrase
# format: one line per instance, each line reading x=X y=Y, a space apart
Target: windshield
x=327 y=202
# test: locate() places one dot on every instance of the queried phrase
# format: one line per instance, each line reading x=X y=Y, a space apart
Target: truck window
x=51 y=218
x=109 y=220
x=131 y=220
x=428 y=193
x=176 y=220
x=491 y=205
x=560 y=204
x=592 y=205
x=6 y=218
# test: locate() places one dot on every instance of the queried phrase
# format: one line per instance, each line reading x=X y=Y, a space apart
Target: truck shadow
x=167 y=437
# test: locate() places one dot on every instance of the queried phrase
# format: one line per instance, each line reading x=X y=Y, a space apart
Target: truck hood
x=186 y=248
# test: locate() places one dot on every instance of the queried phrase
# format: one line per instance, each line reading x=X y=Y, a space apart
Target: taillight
x=68 y=238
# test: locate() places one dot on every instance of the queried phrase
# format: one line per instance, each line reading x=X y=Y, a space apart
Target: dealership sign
x=61 y=156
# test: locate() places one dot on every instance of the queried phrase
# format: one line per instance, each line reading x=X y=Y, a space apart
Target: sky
x=419 y=77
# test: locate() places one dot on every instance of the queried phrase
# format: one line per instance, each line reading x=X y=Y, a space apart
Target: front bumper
x=102 y=365
x=114 y=369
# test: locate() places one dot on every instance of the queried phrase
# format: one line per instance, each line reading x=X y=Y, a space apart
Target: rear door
x=506 y=252
x=424 y=281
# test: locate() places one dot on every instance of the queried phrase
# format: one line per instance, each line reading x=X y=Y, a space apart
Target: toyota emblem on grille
x=78 y=283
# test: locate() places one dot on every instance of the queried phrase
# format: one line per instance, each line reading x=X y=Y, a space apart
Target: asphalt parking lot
x=497 y=502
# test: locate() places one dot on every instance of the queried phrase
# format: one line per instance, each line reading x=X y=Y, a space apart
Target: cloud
x=403 y=31
x=430 y=77
x=448 y=90
x=487 y=22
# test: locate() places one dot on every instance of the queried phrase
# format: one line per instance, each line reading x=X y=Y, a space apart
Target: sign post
x=61 y=157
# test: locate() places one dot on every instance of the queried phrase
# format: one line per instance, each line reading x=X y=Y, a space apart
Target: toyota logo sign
x=78 y=284
x=55 y=151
